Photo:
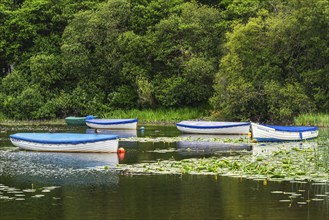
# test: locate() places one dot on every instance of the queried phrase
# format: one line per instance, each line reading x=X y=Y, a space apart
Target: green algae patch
x=196 y=138
x=281 y=164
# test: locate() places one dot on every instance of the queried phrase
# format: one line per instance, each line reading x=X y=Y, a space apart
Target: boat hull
x=75 y=121
x=78 y=121
x=265 y=133
x=202 y=127
x=74 y=143
x=122 y=124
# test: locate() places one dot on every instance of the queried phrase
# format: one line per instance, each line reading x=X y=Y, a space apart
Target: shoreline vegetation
x=169 y=117
x=317 y=119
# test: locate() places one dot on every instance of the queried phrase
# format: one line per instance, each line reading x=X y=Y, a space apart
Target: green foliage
x=172 y=92
x=124 y=98
x=291 y=99
x=14 y=83
x=147 y=13
x=312 y=119
x=87 y=56
x=236 y=100
x=45 y=71
x=145 y=92
x=198 y=72
x=25 y=105
x=278 y=59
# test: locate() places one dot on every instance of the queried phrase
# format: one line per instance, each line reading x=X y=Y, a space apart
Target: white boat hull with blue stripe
x=283 y=133
x=66 y=142
x=213 y=127
x=117 y=124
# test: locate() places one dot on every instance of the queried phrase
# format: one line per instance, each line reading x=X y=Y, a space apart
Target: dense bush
x=273 y=64
x=254 y=59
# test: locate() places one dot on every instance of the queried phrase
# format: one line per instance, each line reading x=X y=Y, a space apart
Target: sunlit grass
x=159 y=115
x=2 y=117
x=8 y=122
x=318 y=119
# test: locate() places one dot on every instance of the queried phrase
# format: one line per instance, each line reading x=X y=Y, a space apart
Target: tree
x=276 y=49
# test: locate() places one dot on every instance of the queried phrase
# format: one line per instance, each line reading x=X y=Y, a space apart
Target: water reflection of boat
x=217 y=136
x=119 y=133
x=60 y=168
x=206 y=147
x=73 y=160
x=270 y=147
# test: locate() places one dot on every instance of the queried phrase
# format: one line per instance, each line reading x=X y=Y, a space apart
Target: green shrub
x=286 y=102
x=125 y=97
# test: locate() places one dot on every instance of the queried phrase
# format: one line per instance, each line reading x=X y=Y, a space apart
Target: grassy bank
x=145 y=116
x=318 y=119
x=160 y=115
x=167 y=116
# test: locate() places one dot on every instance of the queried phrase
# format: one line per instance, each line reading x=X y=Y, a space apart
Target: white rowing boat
x=261 y=132
x=128 y=124
x=65 y=142
x=213 y=127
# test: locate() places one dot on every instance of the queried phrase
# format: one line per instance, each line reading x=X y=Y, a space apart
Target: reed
x=318 y=119
x=159 y=115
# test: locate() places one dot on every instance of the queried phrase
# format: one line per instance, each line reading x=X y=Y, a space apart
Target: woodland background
x=242 y=59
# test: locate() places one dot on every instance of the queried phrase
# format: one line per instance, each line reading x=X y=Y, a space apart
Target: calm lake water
x=40 y=185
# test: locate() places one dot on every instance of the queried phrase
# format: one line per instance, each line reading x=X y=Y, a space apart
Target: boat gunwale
x=239 y=124
x=108 y=121
x=14 y=137
x=289 y=130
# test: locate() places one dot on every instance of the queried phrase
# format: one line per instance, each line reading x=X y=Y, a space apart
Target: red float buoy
x=121 y=153
x=121 y=150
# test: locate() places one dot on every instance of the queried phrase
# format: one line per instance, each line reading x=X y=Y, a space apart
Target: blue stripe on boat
x=213 y=126
x=293 y=128
x=111 y=121
x=62 y=138
x=278 y=140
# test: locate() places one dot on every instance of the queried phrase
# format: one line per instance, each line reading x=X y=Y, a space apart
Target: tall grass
x=318 y=119
x=2 y=117
x=159 y=115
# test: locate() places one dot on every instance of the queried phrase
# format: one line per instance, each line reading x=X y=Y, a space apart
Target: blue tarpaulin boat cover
x=62 y=138
x=111 y=121
x=292 y=128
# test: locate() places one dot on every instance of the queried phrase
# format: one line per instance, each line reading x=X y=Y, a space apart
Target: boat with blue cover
x=65 y=142
x=263 y=132
x=117 y=124
x=78 y=121
x=213 y=127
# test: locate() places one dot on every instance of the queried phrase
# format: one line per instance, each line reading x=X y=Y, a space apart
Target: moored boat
x=77 y=121
x=117 y=124
x=213 y=127
x=262 y=132
x=65 y=142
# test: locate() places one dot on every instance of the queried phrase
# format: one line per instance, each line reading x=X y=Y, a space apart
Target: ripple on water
x=58 y=168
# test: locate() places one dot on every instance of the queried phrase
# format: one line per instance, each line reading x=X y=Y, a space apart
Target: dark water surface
x=40 y=185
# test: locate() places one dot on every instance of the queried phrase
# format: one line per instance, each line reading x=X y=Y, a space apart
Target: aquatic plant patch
x=282 y=164
x=187 y=138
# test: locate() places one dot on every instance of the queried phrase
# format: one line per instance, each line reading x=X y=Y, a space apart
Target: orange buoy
x=121 y=153
x=121 y=156
x=121 y=150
